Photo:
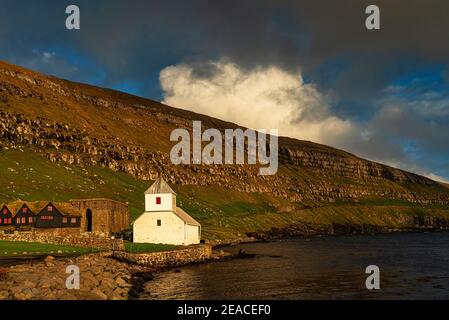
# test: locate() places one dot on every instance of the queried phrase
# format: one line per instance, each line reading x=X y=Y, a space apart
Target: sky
x=308 y=68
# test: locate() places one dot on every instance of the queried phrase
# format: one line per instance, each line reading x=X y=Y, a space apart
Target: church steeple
x=160 y=186
x=160 y=197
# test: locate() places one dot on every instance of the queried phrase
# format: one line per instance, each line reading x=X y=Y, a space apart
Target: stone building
x=163 y=221
x=102 y=215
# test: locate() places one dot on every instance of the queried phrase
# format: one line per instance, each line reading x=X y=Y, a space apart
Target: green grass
x=376 y=201
x=16 y=248
x=148 y=247
x=224 y=213
x=26 y=175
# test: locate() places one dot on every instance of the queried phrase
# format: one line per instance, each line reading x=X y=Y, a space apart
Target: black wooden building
x=40 y=214
x=24 y=216
x=6 y=216
x=58 y=216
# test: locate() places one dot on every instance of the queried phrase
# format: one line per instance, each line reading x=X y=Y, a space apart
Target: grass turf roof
x=65 y=208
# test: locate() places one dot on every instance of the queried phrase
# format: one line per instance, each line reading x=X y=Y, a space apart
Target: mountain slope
x=66 y=123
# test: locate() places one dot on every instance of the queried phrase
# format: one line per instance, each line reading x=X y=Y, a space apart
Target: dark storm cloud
x=126 y=35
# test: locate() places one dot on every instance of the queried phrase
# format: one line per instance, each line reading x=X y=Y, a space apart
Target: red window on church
x=50 y=208
x=5 y=211
x=0 y=220
x=158 y=200
x=24 y=210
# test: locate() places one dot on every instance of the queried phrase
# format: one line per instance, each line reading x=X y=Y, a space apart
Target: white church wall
x=167 y=202
x=171 y=230
x=193 y=235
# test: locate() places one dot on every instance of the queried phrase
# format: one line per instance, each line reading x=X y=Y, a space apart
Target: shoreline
x=293 y=233
x=104 y=277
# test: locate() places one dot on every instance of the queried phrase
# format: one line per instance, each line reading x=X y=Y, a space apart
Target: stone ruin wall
x=107 y=215
x=64 y=236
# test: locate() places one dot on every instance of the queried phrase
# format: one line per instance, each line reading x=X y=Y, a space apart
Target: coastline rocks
x=411 y=224
x=138 y=281
x=49 y=261
x=224 y=243
x=3 y=273
x=101 y=278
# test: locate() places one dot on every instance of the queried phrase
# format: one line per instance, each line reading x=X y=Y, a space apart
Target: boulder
x=4 y=295
x=88 y=281
x=121 y=282
x=49 y=261
x=108 y=284
x=99 y=294
x=28 y=284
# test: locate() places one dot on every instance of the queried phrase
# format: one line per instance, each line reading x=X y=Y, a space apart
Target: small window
x=24 y=220
x=24 y=210
x=64 y=220
x=158 y=200
x=159 y=222
x=73 y=220
x=30 y=219
x=9 y=220
x=50 y=208
x=0 y=220
x=5 y=211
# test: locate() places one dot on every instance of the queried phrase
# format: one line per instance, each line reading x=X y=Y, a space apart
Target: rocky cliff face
x=85 y=125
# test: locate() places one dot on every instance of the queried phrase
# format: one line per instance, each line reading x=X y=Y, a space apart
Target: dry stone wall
x=63 y=237
x=191 y=254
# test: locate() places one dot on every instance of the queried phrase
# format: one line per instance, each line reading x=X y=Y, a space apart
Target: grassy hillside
x=119 y=141
x=28 y=176
x=224 y=213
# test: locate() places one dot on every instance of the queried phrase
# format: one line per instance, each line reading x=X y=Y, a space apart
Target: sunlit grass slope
x=224 y=213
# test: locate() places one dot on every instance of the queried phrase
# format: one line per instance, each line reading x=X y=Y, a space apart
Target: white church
x=163 y=221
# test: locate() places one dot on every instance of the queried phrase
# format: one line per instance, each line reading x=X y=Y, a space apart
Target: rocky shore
x=101 y=278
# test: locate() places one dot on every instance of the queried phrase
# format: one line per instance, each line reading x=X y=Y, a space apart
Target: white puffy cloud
x=271 y=98
x=264 y=98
